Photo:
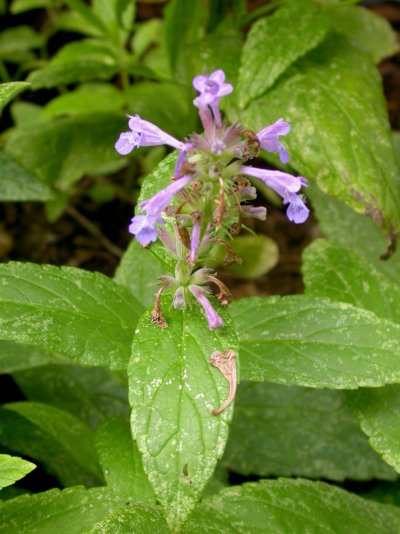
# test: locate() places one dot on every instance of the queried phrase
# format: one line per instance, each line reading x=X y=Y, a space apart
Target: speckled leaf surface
x=173 y=390
x=138 y=518
x=291 y=431
x=83 y=315
x=9 y=90
x=276 y=42
x=366 y=30
x=351 y=230
x=121 y=461
x=308 y=341
x=71 y=511
x=18 y=357
x=50 y=435
x=379 y=413
x=284 y=506
x=340 y=134
x=139 y=272
x=341 y=275
x=12 y=469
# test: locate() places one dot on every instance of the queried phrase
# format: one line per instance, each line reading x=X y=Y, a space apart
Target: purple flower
x=144 y=133
x=195 y=239
x=144 y=229
x=257 y=212
x=144 y=226
x=211 y=88
x=269 y=141
x=179 y=299
x=286 y=186
x=213 y=319
x=157 y=203
x=297 y=211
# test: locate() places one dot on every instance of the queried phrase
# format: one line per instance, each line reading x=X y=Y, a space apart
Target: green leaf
x=138 y=516
x=63 y=150
x=16 y=43
x=9 y=90
x=89 y=394
x=76 y=62
x=12 y=469
x=18 y=357
x=354 y=232
x=259 y=254
x=173 y=390
x=83 y=315
x=50 y=435
x=117 y=16
x=73 y=510
x=341 y=275
x=139 y=272
x=20 y=6
x=88 y=99
x=189 y=17
x=287 y=505
x=308 y=341
x=379 y=413
x=121 y=461
x=92 y=19
x=166 y=104
x=291 y=431
x=18 y=184
x=275 y=42
x=340 y=133
x=366 y=30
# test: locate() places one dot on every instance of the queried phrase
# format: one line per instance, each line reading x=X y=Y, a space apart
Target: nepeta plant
x=207 y=199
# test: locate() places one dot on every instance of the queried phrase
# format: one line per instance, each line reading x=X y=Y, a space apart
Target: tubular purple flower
x=213 y=319
x=282 y=182
x=268 y=138
x=144 y=229
x=211 y=89
x=144 y=133
x=182 y=158
x=257 y=212
x=156 y=204
x=195 y=238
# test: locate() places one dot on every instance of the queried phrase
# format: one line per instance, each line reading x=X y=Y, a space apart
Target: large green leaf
x=173 y=390
x=18 y=357
x=341 y=275
x=284 y=506
x=276 y=42
x=379 y=413
x=340 y=133
x=76 y=62
x=83 y=315
x=9 y=90
x=62 y=151
x=308 y=341
x=121 y=461
x=291 y=431
x=354 y=232
x=20 y=6
x=139 y=272
x=366 y=30
x=50 y=435
x=12 y=469
x=90 y=394
x=71 y=511
x=18 y=184
x=143 y=518
x=87 y=99
x=117 y=16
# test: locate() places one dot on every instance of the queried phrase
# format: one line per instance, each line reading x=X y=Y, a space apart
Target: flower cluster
x=209 y=192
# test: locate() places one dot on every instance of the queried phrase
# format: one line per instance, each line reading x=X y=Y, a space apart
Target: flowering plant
x=239 y=373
